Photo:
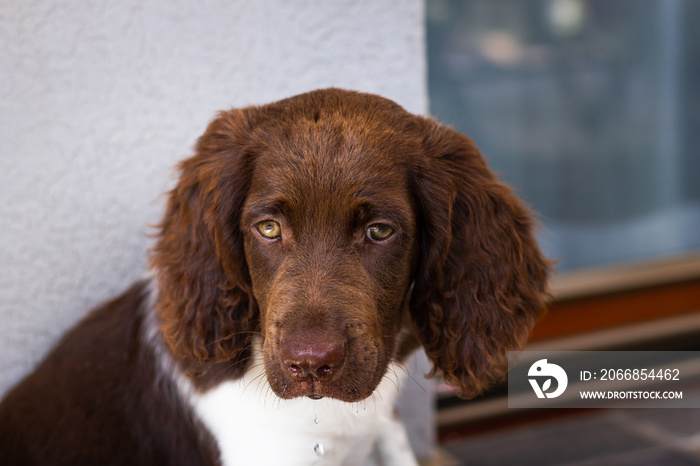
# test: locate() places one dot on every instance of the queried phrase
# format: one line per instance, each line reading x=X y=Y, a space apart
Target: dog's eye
x=379 y=232
x=269 y=229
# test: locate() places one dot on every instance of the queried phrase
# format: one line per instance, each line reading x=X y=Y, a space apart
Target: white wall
x=100 y=98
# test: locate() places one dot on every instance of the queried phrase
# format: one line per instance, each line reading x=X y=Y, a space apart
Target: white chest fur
x=254 y=427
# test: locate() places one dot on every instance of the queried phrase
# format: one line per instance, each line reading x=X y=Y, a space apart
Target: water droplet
x=318 y=449
x=315 y=418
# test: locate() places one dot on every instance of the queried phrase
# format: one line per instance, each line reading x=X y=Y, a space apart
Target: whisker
x=228 y=337
x=242 y=361
x=258 y=380
x=394 y=380
x=379 y=394
x=404 y=368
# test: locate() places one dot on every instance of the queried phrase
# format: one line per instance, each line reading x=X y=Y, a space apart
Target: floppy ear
x=204 y=296
x=481 y=280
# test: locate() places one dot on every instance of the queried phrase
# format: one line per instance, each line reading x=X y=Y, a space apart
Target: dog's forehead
x=331 y=161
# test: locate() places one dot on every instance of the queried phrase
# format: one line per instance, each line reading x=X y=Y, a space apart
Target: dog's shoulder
x=100 y=399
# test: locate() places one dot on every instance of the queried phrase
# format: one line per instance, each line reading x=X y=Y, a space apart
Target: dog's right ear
x=205 y=306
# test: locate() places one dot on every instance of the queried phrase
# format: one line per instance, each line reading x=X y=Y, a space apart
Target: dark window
x=589 y=108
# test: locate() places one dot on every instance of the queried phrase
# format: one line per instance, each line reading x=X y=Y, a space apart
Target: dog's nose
x=315 y=357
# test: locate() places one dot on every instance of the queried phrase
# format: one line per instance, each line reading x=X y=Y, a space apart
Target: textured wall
x=99 y=100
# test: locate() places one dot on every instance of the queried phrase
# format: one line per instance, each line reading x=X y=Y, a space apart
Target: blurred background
x=590 y=109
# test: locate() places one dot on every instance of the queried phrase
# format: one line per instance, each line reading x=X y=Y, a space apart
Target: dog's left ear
x=481 y=280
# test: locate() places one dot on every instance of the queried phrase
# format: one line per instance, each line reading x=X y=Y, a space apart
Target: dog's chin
x=289 y=388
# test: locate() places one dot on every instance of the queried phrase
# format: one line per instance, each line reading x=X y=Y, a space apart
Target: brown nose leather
x=312 y=356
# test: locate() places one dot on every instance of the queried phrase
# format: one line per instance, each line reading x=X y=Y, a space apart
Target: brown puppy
x=340 y=229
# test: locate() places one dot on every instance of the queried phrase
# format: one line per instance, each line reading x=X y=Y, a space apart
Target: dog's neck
x=253 y=426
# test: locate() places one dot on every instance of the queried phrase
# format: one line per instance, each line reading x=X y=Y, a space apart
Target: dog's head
x=346 y=231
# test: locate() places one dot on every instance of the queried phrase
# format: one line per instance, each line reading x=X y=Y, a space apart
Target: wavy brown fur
x=480 y=282
x=461 y=275
x=205 y=302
